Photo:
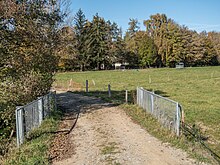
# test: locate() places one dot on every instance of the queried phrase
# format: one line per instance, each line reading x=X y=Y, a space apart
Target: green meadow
x=196 y=89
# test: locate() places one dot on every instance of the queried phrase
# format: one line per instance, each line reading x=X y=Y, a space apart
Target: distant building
x=180 y=65
x=121 y=65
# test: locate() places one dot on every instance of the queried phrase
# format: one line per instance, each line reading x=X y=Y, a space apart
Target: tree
x=100 y=36
x=131 y=40
x=80 y=32
x=215 y=40
x=117 y=46
x=133 y=27
x=178 y=39
x=147 y=51
x=67 y=51
x=156 y=27
x=28 y=45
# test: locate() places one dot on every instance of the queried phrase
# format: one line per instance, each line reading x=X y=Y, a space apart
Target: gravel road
x=104 y=135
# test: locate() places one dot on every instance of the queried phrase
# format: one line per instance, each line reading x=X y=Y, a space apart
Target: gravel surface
x=104 y=134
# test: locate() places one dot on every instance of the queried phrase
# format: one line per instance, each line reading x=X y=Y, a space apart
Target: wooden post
x=109 y=90
x=126 y=96
x=70 y=84
x=149 y=79
x=212 y=74
x=93 y=82
x=87 y=86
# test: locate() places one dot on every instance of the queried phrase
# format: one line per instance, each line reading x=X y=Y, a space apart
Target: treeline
x=98 y=44
x=29 y=40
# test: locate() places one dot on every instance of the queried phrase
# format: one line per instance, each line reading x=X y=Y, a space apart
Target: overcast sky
x=198 y=15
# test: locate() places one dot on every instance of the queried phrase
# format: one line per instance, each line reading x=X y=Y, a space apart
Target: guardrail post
x=142 y=96
x=40 y=109
x=126 y=96
x=48 y=104
x=177 y=120
x=55 y=101
x=19 y=125
x=152 y=103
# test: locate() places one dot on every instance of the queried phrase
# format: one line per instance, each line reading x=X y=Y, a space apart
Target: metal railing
x=168 y=112
x=31 y=115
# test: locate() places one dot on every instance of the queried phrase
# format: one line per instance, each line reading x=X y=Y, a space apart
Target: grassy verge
x=35 y=150
x=149 y=123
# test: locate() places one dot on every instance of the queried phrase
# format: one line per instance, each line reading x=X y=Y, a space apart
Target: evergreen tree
x=131 y=40
x=80 y=32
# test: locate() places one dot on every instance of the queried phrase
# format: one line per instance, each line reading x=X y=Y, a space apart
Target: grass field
x=196 y=89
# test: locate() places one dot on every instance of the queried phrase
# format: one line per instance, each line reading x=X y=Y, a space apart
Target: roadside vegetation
x=194 y=88
x=35 y=150
x=29 y=38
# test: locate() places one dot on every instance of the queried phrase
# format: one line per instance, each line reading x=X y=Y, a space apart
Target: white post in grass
x=126 y=96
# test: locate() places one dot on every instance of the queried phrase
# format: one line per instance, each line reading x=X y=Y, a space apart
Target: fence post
x=177 y=120
x=142 y=96
x=49 y=103
x=55 y=101
x=40 y=109
x=19 y=125
x=152 y=103
x=87 y=86
x=126 y=96
x=109 y=90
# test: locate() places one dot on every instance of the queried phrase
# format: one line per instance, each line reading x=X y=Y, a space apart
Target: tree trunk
x=82 y=67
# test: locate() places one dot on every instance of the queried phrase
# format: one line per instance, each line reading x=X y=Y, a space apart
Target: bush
x=29 y=38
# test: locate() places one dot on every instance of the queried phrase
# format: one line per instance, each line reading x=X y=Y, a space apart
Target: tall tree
x=131 y=40
x=215 y=39
x=116 y=44
x=133 y=27
x=67 y=51
x=203 y=49
x=156 y=27
x=178 y=39
x=147 y=51
x=98 y=41
x=80 y=32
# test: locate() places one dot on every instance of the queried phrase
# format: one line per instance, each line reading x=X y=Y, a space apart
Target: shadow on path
x=73 y=105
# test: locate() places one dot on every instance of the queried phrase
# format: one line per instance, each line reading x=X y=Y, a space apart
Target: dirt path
x=104 y=134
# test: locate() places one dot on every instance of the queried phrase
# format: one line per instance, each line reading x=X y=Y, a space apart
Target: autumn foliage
x=29 y=38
